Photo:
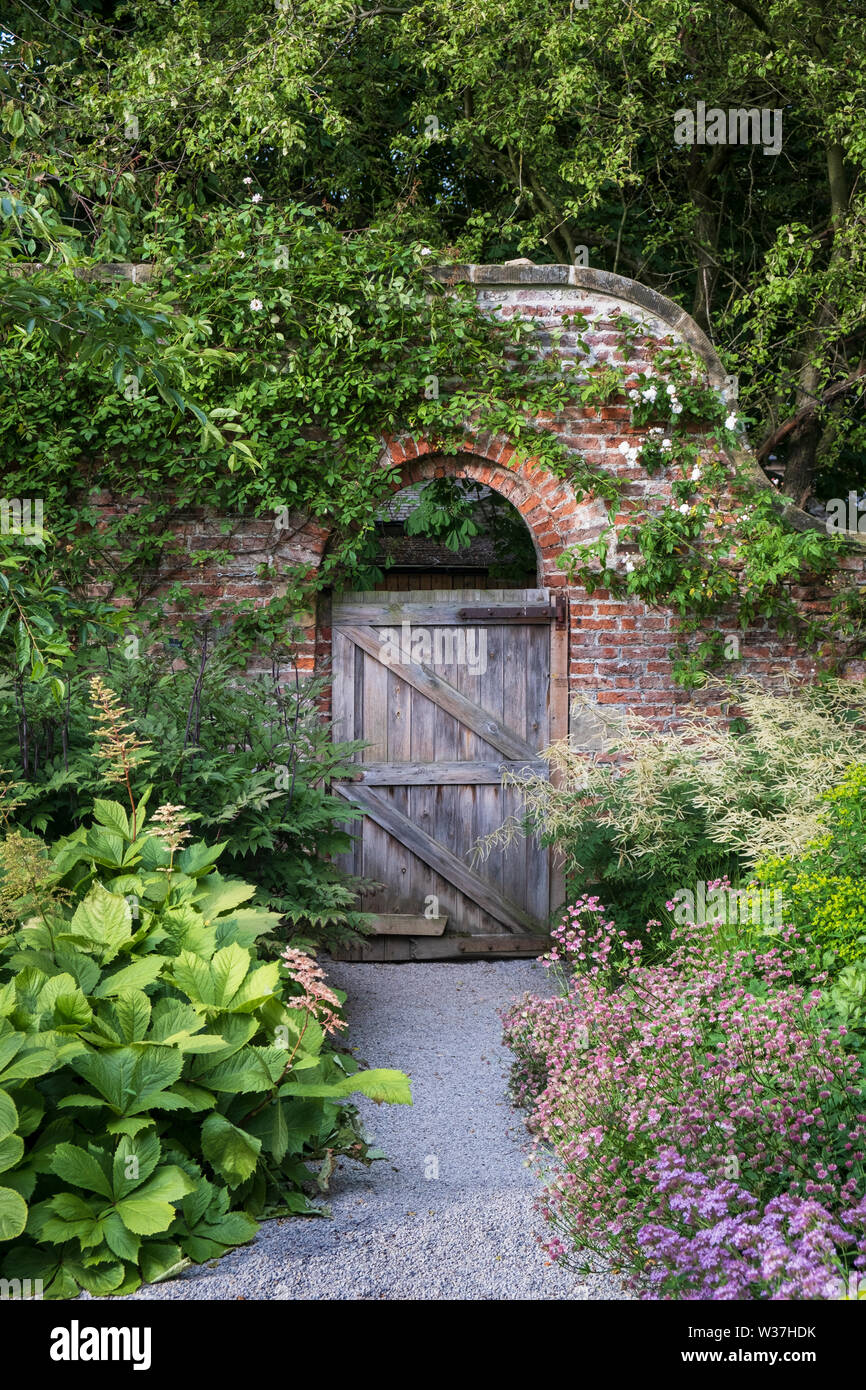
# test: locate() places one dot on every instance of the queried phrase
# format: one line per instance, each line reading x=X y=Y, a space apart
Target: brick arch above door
x=546 y=503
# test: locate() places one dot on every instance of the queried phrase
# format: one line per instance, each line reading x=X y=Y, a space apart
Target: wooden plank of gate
x=423 y=882
x=405 y=948
x=343 y=657
x=558 y=731
x=443 y=694
x=407 y=924
x=472 y=920
x=438 y=857
x=498 y=606
x=537 y=897
x=376 y=734
x=488 y=688
x=449 y=798
x=398 y=859
x=442 y=773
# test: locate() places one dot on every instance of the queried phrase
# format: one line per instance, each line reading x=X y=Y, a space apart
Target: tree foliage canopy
x=494 y=129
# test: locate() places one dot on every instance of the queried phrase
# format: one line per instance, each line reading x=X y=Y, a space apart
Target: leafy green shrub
x=654 y=812
x=249 y=759
x=823 y=886
x=161 y=1088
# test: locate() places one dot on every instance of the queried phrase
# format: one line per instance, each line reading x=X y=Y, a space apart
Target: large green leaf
x=135 y=976
x=71 y=1011
x=99 y=1280
x=8 y=1115
x=80 y=1169
x=132 y=1012
x=250 y=1069
x=120 y=1241
x=34 y=1059
x=229 y=969
x=173 y=1021
x=235 y=1030
x=232 y=1153
x=209 y=1238
x=135 y=1158
x=110 y=1074
x=132 y=1082
x=272 y=1128
x=155 y=1071
x=102 y=922
x=13 y=1214
x=112 y=815
x=54 y=987
x=161 y=1260
x=218 y=895
x=106 y=847
x=145 y=1216
x=192 y=976
x=149 y=1210
x=31 y=1109
x=11 y=1150
x=197 y=858
x=246 y=925
x=66 y=1217
x=226 y=983
x=381 y=1085
x=259 y=986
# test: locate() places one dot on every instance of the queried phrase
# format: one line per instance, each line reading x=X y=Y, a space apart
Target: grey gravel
x=396 y=1233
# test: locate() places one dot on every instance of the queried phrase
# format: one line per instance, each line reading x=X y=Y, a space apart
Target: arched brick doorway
x=451 y=688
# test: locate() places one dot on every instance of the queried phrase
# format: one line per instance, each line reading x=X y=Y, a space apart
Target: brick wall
x=618 y=650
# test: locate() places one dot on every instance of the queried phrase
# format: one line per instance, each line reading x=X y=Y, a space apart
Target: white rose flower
x=666 y=443
x=731 y=422
x=676 y=408
x=634 y=395
x=696 y=474
x=256 y=305
x=629 y=566
x=683 y=508
x=671 y=390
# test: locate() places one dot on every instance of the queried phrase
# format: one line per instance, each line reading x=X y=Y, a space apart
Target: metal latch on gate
x=560 y=609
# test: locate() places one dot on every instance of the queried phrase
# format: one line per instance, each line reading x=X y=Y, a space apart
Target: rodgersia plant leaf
x=148 y=1116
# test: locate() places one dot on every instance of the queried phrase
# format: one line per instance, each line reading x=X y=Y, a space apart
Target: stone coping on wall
x=604 y=282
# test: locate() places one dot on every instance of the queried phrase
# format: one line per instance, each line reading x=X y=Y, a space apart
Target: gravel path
x=398 y=1233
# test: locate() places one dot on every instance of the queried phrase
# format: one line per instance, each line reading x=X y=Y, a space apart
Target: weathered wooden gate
x=449 y=689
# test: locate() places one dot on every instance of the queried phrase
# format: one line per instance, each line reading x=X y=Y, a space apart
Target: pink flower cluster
x=316 y=998
x=714 y=1054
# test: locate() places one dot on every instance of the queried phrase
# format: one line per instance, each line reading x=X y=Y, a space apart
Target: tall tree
x=491 y=128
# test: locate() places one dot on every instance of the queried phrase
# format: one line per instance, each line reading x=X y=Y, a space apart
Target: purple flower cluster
x=718 y=1055
x=717 y=1243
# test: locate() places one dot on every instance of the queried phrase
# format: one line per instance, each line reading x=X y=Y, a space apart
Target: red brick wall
x=618 y=650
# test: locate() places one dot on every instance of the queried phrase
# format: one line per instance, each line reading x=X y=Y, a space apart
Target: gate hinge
x=560 y=609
